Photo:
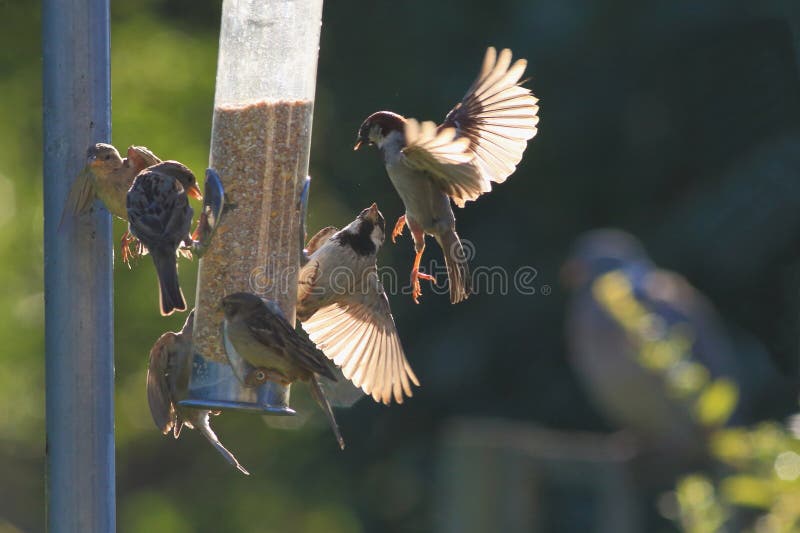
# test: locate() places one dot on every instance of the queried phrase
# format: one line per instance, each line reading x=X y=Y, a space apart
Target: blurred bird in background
x=649 y=348
x=160 y=216
x=481 y=141
x=256 y=331
x=168 y=381
x=344 y=309
x=107 y=177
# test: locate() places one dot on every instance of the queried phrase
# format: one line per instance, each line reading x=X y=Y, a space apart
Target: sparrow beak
x=373 y=213
x=359 y=142
x=194 y=191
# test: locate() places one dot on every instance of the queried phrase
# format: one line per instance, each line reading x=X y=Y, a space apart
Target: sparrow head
x=180 y=172
x=600 y=251
x=244 y=304
x=366 y=233
x=104 y=157
x=377 y=127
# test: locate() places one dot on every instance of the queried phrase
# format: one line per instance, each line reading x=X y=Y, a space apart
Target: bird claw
x=416 y=290
x=125 y=249
x=398 y=228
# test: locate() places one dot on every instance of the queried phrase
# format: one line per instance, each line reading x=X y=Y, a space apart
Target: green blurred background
x=678 y=121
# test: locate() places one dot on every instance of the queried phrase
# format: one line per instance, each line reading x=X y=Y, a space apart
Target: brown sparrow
x=343 y=307
x=167 y=382
x=108 y=177
x=480 y=141
x=258 y=332
x=160 y=216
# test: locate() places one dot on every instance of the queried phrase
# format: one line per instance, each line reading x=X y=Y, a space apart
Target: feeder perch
x=260 y=142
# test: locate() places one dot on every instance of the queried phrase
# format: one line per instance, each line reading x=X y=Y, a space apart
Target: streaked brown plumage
x=481 y=141
x=257 y=330
x=343 y=307
x=107 y=177
x=168 y=372
x=160 y=216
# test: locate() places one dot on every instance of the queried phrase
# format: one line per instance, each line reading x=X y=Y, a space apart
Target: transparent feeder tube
x=266 y=76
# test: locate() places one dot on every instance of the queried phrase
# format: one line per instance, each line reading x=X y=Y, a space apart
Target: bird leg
x=127 y=253
x=398 y=228
x=418 y=235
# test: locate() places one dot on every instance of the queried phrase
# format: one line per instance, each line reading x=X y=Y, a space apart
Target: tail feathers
x=170 y=296
x=208 y=433
x=457 y=266
x=322 y=400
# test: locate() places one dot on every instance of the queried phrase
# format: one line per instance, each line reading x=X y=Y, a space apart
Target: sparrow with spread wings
x=344 y=309
x=481 y=141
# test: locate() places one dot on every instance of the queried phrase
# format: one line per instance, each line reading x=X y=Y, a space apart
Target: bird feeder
x=261 y=136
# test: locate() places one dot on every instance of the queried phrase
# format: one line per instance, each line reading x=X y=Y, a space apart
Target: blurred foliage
x=761 y=473
x=677 y=121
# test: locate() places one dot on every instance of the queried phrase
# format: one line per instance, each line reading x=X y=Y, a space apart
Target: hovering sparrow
x=480 y=141
x=344 y=309
x=160 y=216
x=108 y=177
x=167 y=382
x=258 y=332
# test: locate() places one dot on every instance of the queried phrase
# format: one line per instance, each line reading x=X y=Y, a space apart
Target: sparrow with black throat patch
x=481 y=141
x=168 y=372
x=344 y=309
x=256 y=330
x=159 y=215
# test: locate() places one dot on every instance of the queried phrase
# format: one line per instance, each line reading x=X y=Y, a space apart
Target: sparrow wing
x=159 y=395
x=319 y=238
x=81 y=195
x=158 y=210
x=140 y=157
x=496 y=115
x=275 y=332
x=359 y=335
x=445 y=158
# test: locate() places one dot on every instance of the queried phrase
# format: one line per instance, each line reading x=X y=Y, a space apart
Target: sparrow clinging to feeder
x=160 y=216
x=343 y=307
x=107 y=176
x=480 y=141
x=258 y=333
x=168 y=381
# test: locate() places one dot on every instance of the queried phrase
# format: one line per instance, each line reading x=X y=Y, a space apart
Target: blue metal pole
x=79 y=326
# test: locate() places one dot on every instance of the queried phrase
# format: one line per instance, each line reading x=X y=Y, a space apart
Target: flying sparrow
x=168 y=381
x=160 y=216
x=258 y=333
x=107 y=176
x=480 y=141
x=343 y=307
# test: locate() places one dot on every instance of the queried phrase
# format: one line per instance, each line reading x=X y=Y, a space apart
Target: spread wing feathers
x=446 y=158
x=140 y=157
x=159 y=396
x=497 y=116
x=360 y=336
x=81 y=195
x=275 y=332
x=319 y=238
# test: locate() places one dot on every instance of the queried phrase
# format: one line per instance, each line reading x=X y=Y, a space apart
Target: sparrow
x=168 y=372
x=648 y=345
x=107 y=176
x=159 y=215
x=344 y=309
x=480 y=141
x=258 y=333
